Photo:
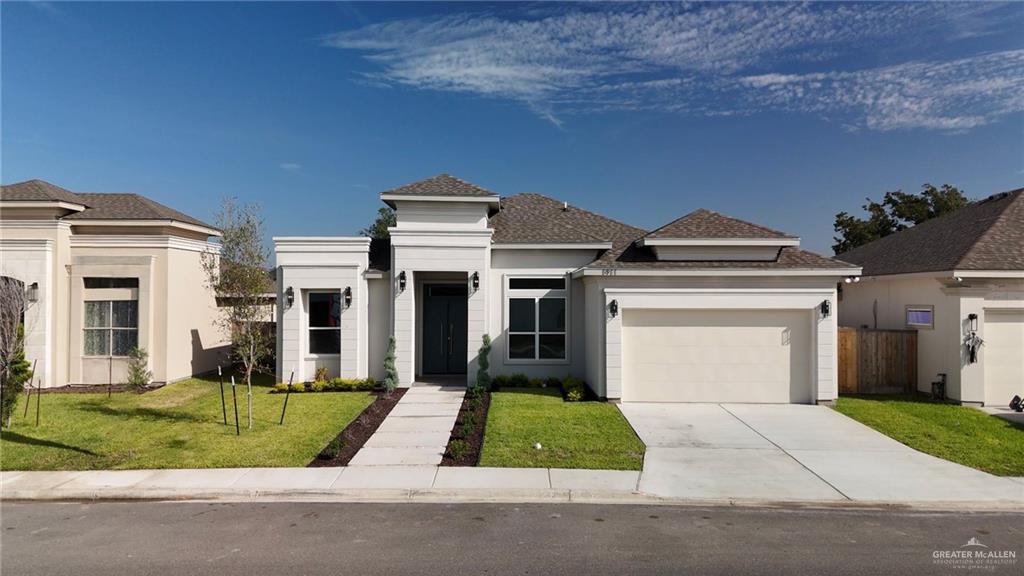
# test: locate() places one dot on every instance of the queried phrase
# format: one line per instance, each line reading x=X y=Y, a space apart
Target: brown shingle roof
x=441 y=185
x=708 y=224
x=984 y=235
x=117 y=206
x=789 y=258
x=38 y=191
x=536 y=219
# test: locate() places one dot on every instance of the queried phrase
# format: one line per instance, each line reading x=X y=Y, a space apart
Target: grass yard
x=591 y=435
x=177 y=426
x=956 y=433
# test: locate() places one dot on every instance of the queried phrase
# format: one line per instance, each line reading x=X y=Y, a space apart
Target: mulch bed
x=474 y=440
x=96 y=389
x=359 y=430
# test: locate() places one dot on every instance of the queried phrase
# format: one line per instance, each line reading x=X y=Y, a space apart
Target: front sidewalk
x=406 y=484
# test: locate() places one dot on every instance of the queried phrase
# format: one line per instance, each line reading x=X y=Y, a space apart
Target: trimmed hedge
x=335 y=385
x=573 y=389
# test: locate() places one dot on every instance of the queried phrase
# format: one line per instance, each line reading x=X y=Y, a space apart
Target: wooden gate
x=877 y=361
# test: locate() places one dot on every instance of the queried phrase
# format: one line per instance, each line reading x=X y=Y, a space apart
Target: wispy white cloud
x=709 y=59
x=293 y=167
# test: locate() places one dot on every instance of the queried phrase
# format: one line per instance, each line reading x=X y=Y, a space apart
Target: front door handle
x=451 y=338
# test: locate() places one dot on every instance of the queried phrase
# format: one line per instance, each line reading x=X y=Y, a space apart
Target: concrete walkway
x=416 y=431
x=794 y=452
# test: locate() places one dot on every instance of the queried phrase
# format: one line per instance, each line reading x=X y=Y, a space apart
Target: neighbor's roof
x=441 y=185
x=703 y=223
x=38 y=191
x=984 y=235
x=118 y=206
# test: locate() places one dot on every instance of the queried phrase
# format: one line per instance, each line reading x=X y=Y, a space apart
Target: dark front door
x=444 y=328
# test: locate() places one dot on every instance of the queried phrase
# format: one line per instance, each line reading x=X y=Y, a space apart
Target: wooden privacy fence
x=877 y=361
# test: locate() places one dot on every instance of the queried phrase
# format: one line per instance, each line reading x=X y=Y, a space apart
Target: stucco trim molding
x=163 y=241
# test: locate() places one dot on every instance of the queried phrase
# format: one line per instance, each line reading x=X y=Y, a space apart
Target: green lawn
x=957 y=433
x=178 y=426
x=573 y=434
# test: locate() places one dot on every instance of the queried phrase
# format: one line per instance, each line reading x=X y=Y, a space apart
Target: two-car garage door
x=716 y=356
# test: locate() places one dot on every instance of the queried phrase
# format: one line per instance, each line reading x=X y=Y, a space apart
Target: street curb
x=466 y=496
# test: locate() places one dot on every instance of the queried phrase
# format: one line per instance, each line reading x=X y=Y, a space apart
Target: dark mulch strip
x=475 y=440
x=359 y=430
x=96 y=389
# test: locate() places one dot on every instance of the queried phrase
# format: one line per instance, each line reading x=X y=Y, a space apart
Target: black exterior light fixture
x=289 y=296
x=826 y=308
x=475 y=281
x=613 y=308
x=972 y=320
x=401 y=281
x=32 y=292
x=347 y=296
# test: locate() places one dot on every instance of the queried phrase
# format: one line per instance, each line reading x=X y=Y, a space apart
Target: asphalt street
x=161 y=538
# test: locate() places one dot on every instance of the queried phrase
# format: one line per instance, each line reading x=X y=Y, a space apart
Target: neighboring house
x=106 y=272
x=945 y=278
x=706 y=308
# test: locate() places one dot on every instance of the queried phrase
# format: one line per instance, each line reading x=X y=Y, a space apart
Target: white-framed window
x=536 y=319
x=920 y=316
x=324 y=322
x=111 y=327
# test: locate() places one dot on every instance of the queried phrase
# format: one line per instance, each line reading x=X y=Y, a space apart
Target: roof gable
x=984 y=235
x=38 y=191
x=444 y=185
x=704 y=223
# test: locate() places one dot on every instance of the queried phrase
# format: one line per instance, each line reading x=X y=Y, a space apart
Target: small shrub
x=518 y=381
x=298 y=387
x=333 y=449
x=537 y=382
x=469 y=419
x=318 y=386
x=552 y=382
x=321 y=374
x=352 y=384
x=499 y=382
x=390 y=372
x=572 y=388
x=139 y=374
x=467 y=430
x=483 y=376
x=281 y=387
x=458 y=448
x=474 y=403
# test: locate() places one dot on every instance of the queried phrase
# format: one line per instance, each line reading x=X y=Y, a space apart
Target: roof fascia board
x=147 y=222
x=555 y=246
x=425 y=198
x=43 y=204
x=719 y=242
x=828 y=272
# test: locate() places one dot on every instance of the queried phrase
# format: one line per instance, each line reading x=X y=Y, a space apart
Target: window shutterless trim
x=536 y=295
x=919 y=308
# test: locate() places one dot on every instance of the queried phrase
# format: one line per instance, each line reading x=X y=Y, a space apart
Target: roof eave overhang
x=988 y=273
x=739 y=242
x=43 y=204
x=390 y=199
x=147 y=222
x=554 y=246
x=816 y=272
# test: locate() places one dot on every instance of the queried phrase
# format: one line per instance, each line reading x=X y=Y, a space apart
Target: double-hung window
x=111 y=327
x=536 y=314
x=325 y=322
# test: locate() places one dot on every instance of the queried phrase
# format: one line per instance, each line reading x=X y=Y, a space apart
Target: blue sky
x=782 y=114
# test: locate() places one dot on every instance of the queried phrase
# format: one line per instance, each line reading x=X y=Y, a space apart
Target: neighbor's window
x=111 y=327
x=921 y=316
x=536 y=318
x=111 y=282
x=325 y=322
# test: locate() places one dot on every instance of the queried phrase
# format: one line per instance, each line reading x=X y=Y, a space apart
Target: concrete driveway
x=793 y=452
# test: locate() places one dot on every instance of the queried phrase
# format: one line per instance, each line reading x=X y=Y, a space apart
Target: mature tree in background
x=238 y=275
x=379 y=228
x=15 y=370
x=897 y=211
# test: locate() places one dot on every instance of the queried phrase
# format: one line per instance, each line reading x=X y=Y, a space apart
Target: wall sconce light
x=613 y=308
x=826 y=308
x=852 y=279
x=347 y=296
x=475 y=281
x=289 y=296
x=32 y=292
x=972 y=320
x=401 y=281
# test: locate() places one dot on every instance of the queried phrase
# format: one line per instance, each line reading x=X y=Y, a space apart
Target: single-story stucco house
x=949 y=278
x=706 y=308
x=104 y=273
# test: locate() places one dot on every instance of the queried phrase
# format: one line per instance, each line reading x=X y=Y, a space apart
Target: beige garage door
x=716 y=356
x=1004 y=356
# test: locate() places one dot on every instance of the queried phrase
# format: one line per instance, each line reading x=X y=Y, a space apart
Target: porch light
x=476 y=281
x=826 y=309
x=401 y=281
x=613 y=308
x=972 y=319
x=852 y=279
x=289 y=296
x=348 y=296
x=32 y=292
